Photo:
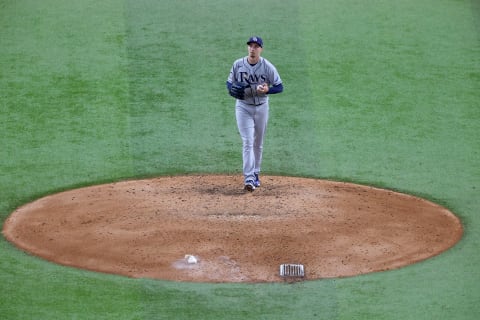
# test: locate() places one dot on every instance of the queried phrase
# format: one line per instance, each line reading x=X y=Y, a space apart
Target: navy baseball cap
x=256 y=40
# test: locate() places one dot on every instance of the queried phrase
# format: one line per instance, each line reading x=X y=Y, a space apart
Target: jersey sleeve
x=230 y=76
x=233 y=71
x=273 y=75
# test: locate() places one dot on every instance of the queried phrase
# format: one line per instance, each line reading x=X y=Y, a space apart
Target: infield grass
x=383 y=93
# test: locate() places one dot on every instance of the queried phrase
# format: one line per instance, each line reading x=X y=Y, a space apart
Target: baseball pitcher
x=252 y=79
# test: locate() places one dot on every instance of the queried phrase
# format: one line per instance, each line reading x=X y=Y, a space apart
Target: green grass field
x=383 y=93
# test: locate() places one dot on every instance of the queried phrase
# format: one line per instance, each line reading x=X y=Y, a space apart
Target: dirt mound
x=145 y=228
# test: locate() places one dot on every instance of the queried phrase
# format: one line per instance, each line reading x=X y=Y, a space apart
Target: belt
x=256 y=105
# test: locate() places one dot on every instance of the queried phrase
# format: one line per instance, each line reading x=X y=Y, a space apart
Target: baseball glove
x=238 y=90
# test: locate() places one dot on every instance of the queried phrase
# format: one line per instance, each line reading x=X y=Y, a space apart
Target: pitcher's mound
x=148 y=228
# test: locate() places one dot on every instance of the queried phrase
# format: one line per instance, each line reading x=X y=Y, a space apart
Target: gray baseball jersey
x=262 y=72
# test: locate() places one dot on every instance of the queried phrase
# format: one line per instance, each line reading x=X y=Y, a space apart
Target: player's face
x=254 y=50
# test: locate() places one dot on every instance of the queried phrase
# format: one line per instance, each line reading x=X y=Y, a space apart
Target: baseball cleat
x=249 y=185
x=256 y=183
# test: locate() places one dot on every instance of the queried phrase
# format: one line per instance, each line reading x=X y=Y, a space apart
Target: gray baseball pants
x=252 y=124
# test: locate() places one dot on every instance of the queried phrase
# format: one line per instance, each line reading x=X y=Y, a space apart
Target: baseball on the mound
x=191 y=259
